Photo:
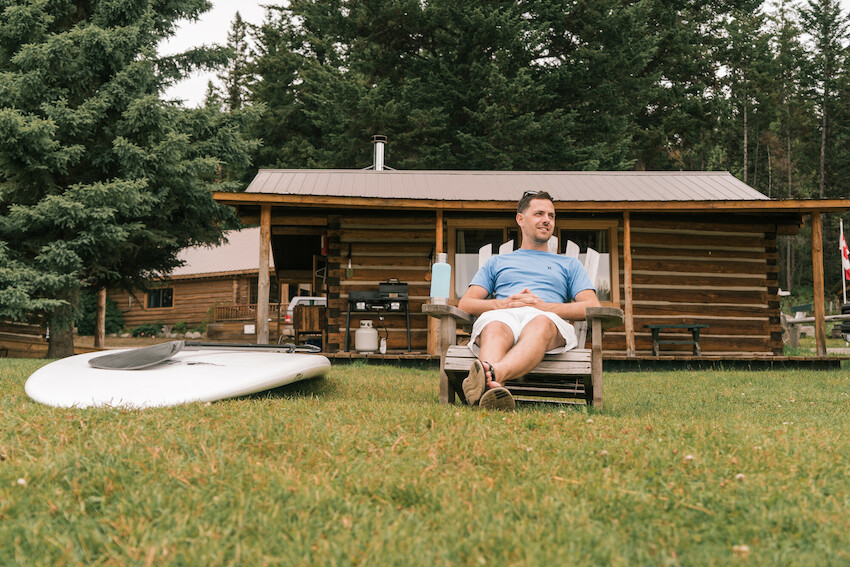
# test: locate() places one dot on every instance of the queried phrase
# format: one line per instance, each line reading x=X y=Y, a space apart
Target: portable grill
x=391 y=297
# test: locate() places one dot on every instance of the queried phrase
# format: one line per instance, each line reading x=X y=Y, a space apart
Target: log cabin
x=215 y=284
x=677 y=247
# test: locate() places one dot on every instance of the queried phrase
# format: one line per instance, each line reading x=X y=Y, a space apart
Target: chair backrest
x=591 y=266
x=309 y=319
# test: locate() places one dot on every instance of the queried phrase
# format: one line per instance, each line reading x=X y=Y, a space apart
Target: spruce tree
x=747 y=61
x=101 y=181
x=236 y=75
x=827 y=25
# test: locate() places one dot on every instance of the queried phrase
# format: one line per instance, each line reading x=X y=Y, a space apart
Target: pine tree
x=101 y=181
x=789 y=65
x=746 y=58
x=824 y=21
x=475 y=85
x=236 y=75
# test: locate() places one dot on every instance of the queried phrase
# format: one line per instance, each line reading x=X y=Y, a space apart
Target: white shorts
x=517 y=318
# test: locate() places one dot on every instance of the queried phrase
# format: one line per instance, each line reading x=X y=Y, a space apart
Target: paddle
x=143 y=357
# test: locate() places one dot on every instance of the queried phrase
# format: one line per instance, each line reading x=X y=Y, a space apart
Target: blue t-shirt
x=553 y=278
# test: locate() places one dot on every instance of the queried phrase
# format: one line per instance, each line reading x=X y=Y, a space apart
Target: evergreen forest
x=760 y=89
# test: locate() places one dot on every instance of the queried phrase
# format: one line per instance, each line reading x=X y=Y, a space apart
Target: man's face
x=538 y=221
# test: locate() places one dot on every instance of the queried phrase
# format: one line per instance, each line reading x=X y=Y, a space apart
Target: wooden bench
x=694 y=328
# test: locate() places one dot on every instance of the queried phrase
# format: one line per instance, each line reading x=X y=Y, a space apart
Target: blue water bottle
x=441 y=276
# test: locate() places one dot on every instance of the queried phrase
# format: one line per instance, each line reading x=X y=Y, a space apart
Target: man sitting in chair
x=526 y=318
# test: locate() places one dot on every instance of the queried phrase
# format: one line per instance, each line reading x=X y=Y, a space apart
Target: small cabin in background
x=697 y=247
x=216 y=285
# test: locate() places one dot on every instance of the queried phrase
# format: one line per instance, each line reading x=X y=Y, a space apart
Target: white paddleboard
x=190 y=376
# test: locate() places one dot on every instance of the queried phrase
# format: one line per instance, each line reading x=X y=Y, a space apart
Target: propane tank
x=366 y=338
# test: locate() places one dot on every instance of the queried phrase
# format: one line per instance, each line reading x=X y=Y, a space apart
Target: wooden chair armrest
x=440 y=311
x=609 y=317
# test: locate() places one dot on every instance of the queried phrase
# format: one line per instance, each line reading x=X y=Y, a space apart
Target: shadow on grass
x=553 y=407
x=314 y=388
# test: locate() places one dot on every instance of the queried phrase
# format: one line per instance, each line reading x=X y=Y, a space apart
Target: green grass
x=808 y=347
x=364 y=467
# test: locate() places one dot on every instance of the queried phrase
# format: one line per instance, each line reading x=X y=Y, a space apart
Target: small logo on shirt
x=548 y=267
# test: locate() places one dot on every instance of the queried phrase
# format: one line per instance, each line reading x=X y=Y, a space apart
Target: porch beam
x=629 y=320
x=817 y=279
x=433 y=341
x=263 y=280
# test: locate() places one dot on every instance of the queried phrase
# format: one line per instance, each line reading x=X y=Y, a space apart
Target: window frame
x=159 y=291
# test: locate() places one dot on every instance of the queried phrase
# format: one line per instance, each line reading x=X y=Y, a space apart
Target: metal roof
x=241 y=253
x=506 y=185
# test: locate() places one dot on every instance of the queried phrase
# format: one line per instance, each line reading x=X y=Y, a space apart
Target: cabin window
x=162 y=297
x=274 y=290
x=467 y=244
x=599 y=241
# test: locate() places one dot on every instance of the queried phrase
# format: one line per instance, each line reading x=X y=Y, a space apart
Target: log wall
x=719 y=270
x=722 y=273
x=381 y=248
x=193 y=300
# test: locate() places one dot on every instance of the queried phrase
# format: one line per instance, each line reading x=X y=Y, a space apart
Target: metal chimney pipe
x=378 y=161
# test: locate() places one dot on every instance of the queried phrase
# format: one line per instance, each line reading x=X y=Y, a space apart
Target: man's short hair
x=528 y=196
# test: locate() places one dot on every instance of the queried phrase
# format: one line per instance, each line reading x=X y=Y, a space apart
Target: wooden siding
x=22 y=340
x=192 y=301
x=721 y=273
x=712 y=269
x=381 y=248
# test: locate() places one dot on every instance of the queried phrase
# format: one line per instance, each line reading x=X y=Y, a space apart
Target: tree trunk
x=61 y=341
x=756 y=158
x=745 y=139
x=100 y=319
x=822 y=148
x=769 y=172
x=788 y=147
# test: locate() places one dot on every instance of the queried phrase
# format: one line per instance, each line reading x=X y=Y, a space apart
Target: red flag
x=845 y=256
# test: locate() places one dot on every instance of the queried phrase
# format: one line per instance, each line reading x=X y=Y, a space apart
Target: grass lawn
x=364 y=467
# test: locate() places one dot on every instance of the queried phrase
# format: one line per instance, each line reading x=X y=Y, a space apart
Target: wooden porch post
x=817 y=273
x=263 y=280
x=434 y=323
x=628 y=320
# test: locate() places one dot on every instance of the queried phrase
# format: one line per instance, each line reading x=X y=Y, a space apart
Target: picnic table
x=694 y=328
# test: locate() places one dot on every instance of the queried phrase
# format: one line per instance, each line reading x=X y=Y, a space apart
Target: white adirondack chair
x=575 y=374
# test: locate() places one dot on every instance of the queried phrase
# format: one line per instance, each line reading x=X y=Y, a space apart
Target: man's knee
x=544 y=329
x=497 y=329
x=542 y=324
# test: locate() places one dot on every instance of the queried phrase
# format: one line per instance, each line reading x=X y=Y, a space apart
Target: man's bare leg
x=512 y=361
x=494 y=342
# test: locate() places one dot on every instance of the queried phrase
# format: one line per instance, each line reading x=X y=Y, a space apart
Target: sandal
x=497 y=399
x=475 y=383
x=476 y=392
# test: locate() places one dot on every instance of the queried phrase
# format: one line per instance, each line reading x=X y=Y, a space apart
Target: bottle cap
x=442 y=257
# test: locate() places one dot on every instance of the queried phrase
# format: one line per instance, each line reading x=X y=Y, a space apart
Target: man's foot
x=497 y=399
x=475 y=383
